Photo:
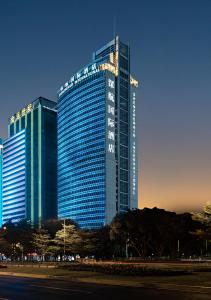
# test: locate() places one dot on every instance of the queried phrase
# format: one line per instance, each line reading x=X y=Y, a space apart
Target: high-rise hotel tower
x=1 y=153
x=97 y=162
x=30 y=164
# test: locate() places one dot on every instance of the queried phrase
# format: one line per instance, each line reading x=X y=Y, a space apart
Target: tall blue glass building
x=30 y=164
x=14 y=178
x=97 y=164
x=1 y=153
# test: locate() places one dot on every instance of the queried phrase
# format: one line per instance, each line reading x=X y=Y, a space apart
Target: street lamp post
x=64 y=239
x=22 y=256
x=126 y=247
x=206 y=246
x=178 y=247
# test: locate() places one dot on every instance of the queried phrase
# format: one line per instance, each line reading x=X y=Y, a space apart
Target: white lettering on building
x=111 y=96
x=88 y=71
x=111 y=109
x=111 y=83
x=110 y=122
x=134 y=143
x=111 y=116
x=111 y=135
x=111 y=148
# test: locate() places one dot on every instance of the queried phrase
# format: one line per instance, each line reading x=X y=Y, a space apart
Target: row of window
x=85 y=199
x=89 y=207
x=65 y=178
x=99 y=182
x=96 y=193
x=70 y=116
x=70 y=102
x=83 y=142
x=93 y=146
x=83 y=85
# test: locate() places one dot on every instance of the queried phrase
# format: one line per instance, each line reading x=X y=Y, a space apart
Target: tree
x=5 y=247
x=204 y=232
x=54 y=225
x=18 y=236
x=105 y=247
x=41 y=241
x=86 y=245
x=67 y=240
x=153 y=232
x=131 y=229
x=24 y=236
x=204 y=216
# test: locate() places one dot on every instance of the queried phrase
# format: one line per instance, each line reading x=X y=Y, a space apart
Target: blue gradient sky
x=43 y=42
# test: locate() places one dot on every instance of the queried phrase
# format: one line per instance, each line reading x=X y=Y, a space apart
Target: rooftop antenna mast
x=114 y=26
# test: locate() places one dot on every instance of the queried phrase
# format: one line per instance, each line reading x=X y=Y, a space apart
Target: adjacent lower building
x=97 y=162
x=30 y=164
x=14 y=178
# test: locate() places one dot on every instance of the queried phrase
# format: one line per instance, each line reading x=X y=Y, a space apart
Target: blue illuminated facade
x=97 y=163
x=1 y=156
x=14 y=178
x=30 y=164
x=81 y=160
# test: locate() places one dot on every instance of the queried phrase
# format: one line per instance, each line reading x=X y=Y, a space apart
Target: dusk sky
x=43 y=43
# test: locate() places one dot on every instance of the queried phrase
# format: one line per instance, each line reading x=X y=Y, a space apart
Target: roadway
x=16 y=288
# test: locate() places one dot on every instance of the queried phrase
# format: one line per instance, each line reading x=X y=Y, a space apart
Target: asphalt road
x=15 y=288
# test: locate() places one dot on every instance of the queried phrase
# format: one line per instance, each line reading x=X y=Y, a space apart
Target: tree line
x=145 y=233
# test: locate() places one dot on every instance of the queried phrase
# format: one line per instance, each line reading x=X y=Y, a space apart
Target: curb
x=26 y=275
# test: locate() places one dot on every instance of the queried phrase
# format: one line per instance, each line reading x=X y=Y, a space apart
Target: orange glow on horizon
x=182 y=193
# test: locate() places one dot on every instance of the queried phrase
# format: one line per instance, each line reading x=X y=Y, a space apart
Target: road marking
x=62 y=289
x=183 y=290
x=186 y=285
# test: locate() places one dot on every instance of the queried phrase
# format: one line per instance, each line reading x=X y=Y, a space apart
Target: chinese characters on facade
x=21 y=113
x=111 y=115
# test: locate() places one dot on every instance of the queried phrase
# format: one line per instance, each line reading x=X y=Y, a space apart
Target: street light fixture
x=64 y=239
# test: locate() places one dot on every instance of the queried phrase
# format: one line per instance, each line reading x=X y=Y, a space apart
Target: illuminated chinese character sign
x=80 y=76
x=21 y=113
x=110 y=115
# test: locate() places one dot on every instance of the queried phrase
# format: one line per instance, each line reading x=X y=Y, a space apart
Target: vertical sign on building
x=133 y=152
x=110 y=148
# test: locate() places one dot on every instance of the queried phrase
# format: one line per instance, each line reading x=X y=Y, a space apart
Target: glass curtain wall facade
x=97 y=172
x=1 y=166
x=81 y=160
x=14 y=178
x=38 y=121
